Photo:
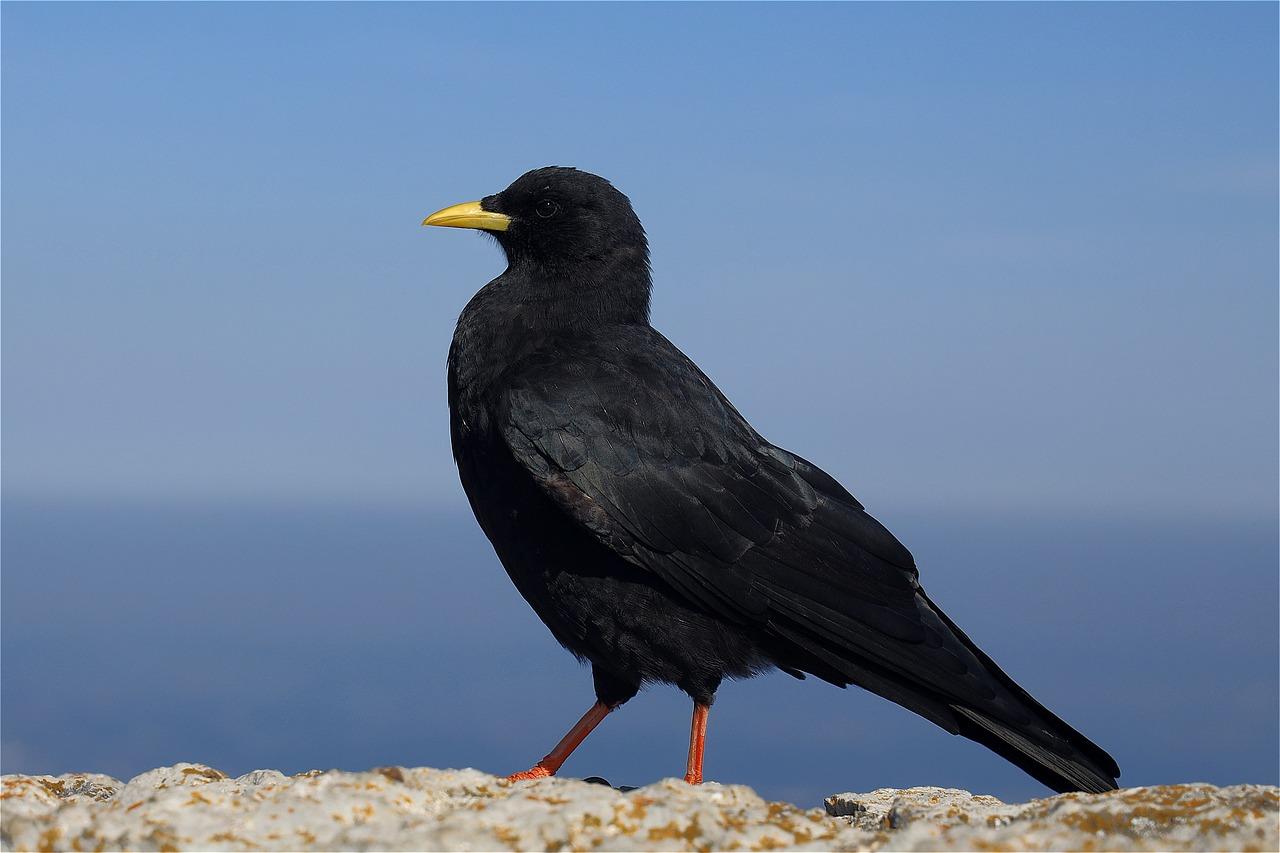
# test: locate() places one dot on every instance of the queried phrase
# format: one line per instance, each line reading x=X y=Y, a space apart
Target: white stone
x=194 y=807
x=1165 y=817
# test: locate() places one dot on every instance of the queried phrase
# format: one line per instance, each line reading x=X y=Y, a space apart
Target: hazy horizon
x=248 y=636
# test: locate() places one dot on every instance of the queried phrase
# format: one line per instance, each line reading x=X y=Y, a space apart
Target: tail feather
x=1016 y=727
x=1061 y=758
x=1071 y=772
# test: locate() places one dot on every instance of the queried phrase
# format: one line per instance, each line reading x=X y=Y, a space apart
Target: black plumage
x=656 y=533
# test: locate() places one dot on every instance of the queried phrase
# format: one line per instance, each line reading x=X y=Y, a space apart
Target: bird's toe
x=537 y=771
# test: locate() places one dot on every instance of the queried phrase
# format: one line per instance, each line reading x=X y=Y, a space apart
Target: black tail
x=1050 y=750
x=1069 y=771
x=1041 y=744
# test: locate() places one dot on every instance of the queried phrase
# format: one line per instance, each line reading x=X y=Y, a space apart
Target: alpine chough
x=656 y=533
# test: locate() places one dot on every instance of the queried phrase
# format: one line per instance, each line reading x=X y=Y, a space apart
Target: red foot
x=551 y=761
x=537 y=771
x=693 y=778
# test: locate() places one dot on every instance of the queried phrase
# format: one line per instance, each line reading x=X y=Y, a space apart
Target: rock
x=194 y=807
x=1165 y=817
x=888 y=809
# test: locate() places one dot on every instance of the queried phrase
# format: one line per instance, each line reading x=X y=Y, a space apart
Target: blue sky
x=1008 y=261
x=1000 y=255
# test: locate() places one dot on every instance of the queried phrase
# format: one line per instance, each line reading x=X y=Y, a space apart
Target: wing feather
x=632 y=440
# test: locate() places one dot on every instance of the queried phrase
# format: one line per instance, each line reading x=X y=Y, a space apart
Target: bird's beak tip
x=469 y=214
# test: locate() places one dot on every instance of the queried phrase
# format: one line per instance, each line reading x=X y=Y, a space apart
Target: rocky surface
x=1164 y=817
x=193 y=807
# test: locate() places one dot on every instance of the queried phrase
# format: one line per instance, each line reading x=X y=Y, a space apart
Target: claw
x=537 y=771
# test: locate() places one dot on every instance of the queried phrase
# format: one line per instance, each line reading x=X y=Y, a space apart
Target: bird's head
x=562 y=225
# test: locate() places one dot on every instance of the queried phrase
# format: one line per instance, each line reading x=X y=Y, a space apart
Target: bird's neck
x=584 y=294
x=536 y=296
x=530 y=307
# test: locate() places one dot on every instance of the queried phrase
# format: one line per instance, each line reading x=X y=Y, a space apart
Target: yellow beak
x=469 y=215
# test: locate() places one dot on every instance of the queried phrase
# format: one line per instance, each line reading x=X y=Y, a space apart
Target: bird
x=656 y=533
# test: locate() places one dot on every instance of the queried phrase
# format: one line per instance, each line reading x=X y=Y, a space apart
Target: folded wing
x=630 y=438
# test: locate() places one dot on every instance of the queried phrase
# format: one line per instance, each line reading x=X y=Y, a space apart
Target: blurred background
x=1008 y=271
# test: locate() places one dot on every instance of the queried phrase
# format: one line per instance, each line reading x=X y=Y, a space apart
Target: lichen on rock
x=194 y=807
x=1164 y=817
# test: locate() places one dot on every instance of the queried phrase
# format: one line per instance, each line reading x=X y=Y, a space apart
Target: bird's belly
x=620 y=617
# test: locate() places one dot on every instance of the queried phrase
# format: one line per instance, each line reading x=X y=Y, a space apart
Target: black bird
x=656 y=533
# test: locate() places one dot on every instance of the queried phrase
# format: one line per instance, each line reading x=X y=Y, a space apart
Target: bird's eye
x=546 y=208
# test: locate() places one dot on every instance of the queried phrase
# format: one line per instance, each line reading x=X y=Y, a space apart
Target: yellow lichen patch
x=1164 y=813
x=164 y=839
x=639 y=806
x=204 y=773
x=507 y=836
x=49 y=840
x=395 y=774
x=23 y=787
x=231 y=838
x=804 y=826
x=197 y=798
x=57 y=787
x=770 y=843
x=672 y=832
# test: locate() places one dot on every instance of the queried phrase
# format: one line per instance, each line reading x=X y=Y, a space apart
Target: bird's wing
x=632 y=440
x=638 y=445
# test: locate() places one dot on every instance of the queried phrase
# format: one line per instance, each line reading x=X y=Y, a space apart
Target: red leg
x=553 y=759
x=697 y=744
